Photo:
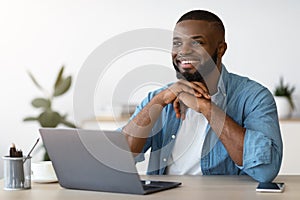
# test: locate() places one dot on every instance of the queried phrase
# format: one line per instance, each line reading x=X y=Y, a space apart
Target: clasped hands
x=184 y=94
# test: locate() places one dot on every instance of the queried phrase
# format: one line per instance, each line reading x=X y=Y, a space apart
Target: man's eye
x=197 y=43
x=176 y=43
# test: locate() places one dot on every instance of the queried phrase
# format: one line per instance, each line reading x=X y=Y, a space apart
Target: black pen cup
x=17 y=173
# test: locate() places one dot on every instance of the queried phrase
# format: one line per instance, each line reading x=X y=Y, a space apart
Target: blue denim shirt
x=250 y=105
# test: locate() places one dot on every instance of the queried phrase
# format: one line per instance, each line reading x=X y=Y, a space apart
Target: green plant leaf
x=59 y=77
x=63 y=87
x=291 y=102
x=27 y=119
x=34 y=81
x=67 y=123
x=49 y=118
x=285 y=90
x=41 y=103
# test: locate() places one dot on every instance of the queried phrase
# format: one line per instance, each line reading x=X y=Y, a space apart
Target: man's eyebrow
x=176 y=38
x=198 y=37
x=193 y=37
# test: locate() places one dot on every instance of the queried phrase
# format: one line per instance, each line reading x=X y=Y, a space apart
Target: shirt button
x=165 y=160
x=173 y=136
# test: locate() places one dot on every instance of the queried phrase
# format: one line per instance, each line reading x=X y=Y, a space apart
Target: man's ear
x=221 y=49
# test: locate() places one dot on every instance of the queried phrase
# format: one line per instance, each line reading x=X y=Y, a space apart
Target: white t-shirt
x=186 y=155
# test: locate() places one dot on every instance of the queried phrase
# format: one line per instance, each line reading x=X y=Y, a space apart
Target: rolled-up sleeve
x=262 y=154
x=140 y=157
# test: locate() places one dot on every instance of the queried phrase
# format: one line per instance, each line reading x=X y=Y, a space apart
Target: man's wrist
x=207 y=109
x=159 y=99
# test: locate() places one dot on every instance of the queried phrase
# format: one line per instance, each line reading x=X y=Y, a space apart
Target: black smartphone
x=270 y=187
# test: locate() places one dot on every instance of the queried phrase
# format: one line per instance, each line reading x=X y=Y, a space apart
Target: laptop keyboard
x=154 y=186
x=149 y=187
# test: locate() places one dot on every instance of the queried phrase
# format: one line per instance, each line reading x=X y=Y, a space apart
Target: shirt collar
x=220 y=96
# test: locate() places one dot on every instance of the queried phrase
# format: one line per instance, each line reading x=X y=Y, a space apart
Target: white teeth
x=188 y=62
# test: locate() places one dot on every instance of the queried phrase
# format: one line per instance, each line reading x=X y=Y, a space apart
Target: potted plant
x=49 y=117
x=284 y=100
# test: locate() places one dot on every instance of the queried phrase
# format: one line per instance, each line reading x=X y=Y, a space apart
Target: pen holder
x=17 y=173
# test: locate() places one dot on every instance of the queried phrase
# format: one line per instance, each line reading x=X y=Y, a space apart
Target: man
x=210 y=121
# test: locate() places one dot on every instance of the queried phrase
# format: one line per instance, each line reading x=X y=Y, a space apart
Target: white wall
x=40 y=36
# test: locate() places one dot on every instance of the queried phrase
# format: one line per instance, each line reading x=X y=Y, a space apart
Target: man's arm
x=230 y=133
x=138 y=129
x=256 y=147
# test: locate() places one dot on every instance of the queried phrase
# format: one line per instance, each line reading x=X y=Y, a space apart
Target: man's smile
x=187 y=64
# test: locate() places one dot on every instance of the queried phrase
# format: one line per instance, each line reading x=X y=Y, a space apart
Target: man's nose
x=185 y=49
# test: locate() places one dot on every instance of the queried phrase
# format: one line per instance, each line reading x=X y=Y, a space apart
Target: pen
x=16 y=167
x=13 y=151
x=31 y=150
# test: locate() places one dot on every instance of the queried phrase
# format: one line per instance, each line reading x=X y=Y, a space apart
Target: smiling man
x=210 y=121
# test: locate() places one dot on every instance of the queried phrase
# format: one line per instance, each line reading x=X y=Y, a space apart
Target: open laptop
x=96 y=160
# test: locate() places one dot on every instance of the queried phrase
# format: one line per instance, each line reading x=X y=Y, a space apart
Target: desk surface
x=193 y=187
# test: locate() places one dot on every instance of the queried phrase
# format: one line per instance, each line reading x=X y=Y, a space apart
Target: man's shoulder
x=244 y=89
x=245 y=95
x=243 y=83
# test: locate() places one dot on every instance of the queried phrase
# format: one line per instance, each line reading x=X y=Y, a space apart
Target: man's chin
x=191 y=77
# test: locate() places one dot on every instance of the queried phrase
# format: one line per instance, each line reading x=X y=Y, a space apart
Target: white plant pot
x=284 y=109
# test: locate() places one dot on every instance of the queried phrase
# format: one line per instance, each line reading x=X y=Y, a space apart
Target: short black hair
x=205 y=16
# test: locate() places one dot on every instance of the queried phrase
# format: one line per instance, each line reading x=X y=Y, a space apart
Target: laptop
x=96 y=160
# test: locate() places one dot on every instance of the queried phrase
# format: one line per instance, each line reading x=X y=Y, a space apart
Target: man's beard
x=201 y=72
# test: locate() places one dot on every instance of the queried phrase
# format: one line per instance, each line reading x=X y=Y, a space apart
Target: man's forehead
x=195 y=28
x=188 y=26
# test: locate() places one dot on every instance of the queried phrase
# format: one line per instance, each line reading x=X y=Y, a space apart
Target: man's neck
x=212 y=80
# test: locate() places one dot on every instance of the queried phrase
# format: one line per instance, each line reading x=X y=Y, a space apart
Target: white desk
x=193 y=187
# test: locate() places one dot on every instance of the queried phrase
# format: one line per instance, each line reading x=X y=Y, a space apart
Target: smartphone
x=270 y=187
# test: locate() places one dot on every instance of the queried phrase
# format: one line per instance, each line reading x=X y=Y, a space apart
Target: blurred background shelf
x=289 y=120
x=290 y=133
x=105 y=122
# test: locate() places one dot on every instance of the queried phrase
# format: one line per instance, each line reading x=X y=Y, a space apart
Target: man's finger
x=176 y=107
x=183 y=109
x=204 y=88
x=197 y=89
